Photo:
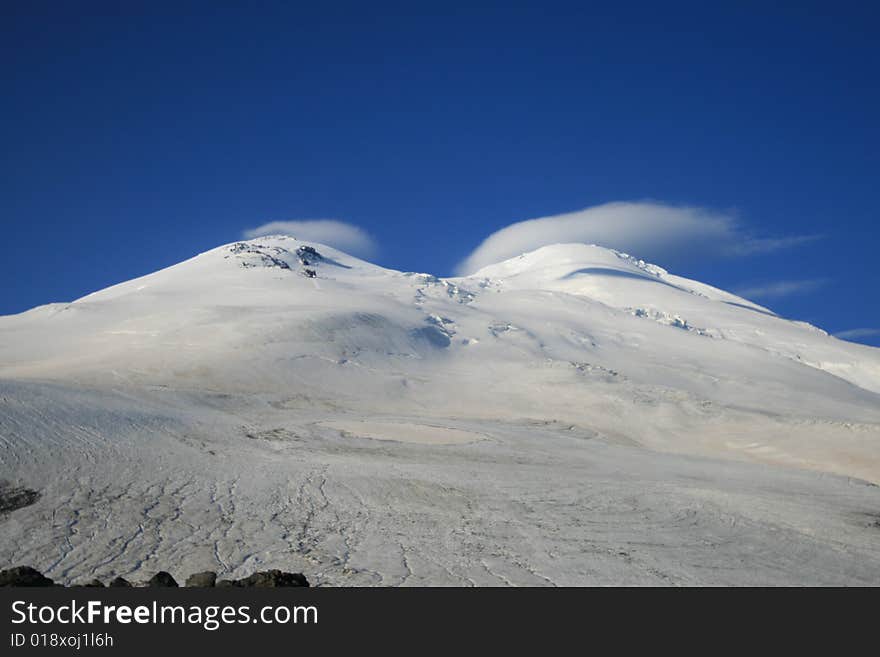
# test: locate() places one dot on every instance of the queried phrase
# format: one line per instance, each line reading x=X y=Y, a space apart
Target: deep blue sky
x=137 y=134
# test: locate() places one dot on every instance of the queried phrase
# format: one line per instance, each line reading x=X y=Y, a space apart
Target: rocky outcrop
x=251 y=254
x=308 y=255
x=24 y=576
x=13 y=497
x=205 y=579
x=257 y=255
x=162 y=579
x=27 y=576
x=267 y=579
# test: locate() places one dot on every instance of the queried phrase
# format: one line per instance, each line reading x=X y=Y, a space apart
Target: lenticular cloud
x=650 y=230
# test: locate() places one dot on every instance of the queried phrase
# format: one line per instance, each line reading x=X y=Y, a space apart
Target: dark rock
x=202 y=580
x=162 y=579
x=12 y=498
x=255 y=255
x=308 y=255
x=24 y=576
x=434 y=335
x=266 y=579
x=27 y=576
x=273 y=578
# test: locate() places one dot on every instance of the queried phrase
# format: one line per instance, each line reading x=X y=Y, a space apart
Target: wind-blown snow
x=570 y=416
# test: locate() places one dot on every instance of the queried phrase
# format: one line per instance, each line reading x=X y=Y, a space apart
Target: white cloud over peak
x=779 y=289
x=758 y=245
x=654 y=231
x=857 y=333
x=338 y=234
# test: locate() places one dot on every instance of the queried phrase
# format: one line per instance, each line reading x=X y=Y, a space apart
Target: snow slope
x=281 y=403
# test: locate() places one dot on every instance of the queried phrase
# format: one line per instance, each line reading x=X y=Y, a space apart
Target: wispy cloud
x=857 y=333
x=338 y=234
x=779 y=289
x=756 y=245
x=659 y=232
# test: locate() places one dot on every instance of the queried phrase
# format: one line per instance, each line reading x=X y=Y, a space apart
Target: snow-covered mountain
x=535 y=422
